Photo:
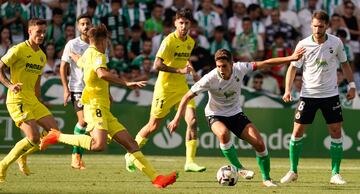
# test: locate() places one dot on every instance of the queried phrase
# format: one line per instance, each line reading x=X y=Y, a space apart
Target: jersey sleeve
x=66 y=54
x=10 y=57
x=300 y=62
x=341 y=54
x=201 y=86
x=244 y=68
x=164 y=50
x=99 y=62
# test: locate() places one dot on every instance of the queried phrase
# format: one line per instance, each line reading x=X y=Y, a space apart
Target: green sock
x=294 y=152
x=263 y=160
x=336 y=150
x=230 y=154
x=79 y=130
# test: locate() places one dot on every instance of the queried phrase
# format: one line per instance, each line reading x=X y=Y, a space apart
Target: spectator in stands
x=134 y=45
x=254 y=12
x=116 y=23
x=219 y=40
x=14 y=15
x=329 y=6
x=52 y=63
x=305 y=16
x=55 y=30
x=270 y=84
x=200 y=57
x=336 y=23
x=38 y=9
x=276 y=26
x=148 y=69
x=154 y=25
x=156 y=40
x=235 y=22
x=207 y=18
x=340 y=9
x=103 y=9
x=69 y=11
x=349 y=54
x=196 y=33
x=248 y=46
x=5 y=40
x=287 y=15
x=68 y=35
x=133 y=14
x=90 y=10
x=257 y=83
x=279 y=49
x=118 y=61
x=145 y=53
x=176 y=6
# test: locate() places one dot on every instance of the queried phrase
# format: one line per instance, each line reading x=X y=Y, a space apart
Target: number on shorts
x=98 y=113
x=301 y=106
x=21 y=108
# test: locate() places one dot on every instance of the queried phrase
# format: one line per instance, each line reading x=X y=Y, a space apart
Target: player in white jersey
x=74 y=86
x=224 y=112
x=324 y=53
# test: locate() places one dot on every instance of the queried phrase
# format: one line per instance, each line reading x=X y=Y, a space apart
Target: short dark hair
x=246 y=19
x=184 y=13
x=36 y=22
x=84 y=15
x=223 y=54
x=57 y=11
x=98 y=33
x=258 y=76
x=220 y=29
x=321 y=15
x=341 y=33
x=279 y=35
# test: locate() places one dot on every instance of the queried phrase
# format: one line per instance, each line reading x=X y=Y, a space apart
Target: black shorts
x=235 y=124
x=76 y=101
x=330 y=108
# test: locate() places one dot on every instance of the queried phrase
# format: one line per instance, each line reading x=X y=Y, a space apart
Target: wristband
x=352 y=85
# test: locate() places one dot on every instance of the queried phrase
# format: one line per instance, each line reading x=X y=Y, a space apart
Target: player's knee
x=192 y=123
x=259 y=145
x=98 y=147
x=82 y=122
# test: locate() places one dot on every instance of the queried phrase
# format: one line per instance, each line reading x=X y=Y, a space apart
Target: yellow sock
x=143 y=165
x=190 y=150
x=83 y=141
x=19 y=149
x=30 y=151
x=141 y=141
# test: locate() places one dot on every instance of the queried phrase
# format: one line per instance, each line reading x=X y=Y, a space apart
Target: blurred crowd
x=251 y=29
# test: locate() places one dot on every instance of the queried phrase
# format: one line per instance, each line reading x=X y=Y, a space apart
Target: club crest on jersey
x=331 y=50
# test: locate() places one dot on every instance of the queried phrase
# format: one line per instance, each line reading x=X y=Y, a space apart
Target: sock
x=141 y=141
x=230 y=154
x=336 y=150
x=263 y=160
x=143 y=165
x=294 y=152
x=30 y=151
x=190 y=151
x=19 y=149
x=79 y=130
x=83 y=141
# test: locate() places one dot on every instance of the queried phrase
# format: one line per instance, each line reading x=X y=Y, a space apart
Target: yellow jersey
x=25 y=67
x=96 y=91
x=175 y=53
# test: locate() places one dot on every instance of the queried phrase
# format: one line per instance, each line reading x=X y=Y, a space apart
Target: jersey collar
x=177 y=37
x=326 y=38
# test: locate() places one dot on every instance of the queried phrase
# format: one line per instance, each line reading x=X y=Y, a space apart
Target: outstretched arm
x=181 y=110
x=104 y=74
x=280 y=60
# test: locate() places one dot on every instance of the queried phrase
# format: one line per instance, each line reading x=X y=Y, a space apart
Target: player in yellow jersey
x=26 y=62
x=96 y=101
x=172 y=63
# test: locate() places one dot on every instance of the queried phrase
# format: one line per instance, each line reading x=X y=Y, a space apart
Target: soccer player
x=171 y=62
x=100 y=122
x=319 y=90
x=26 y=61
x=74 y=86
x=223 y=110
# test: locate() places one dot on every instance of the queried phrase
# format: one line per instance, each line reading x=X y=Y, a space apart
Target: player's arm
x=7 y=83
x=280 y=60
x=181 y=110
x=350 y=78
x=38 y=88
x=104 y=74
x=74 y=57
x=289 y=79
x=160 y=66
x=64 y=67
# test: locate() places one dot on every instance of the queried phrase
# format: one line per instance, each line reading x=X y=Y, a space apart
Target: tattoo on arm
x=3 y=78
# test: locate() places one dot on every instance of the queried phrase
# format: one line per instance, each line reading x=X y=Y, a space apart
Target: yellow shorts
x=99 y=117
x=21 y=112
x=163 y=102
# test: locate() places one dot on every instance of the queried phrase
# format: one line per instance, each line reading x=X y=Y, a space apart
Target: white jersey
x=77 y=46
x=224 y=95
x=319 y=65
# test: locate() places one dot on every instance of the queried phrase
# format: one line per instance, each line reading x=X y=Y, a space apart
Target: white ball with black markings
x=227 y=175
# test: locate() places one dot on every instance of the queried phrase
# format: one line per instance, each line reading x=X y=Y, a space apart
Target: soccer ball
x=227 y=175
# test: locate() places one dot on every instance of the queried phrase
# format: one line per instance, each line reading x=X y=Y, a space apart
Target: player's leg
x=138 y=159
x=252 y=136
x=191 y=142
x=32 y=139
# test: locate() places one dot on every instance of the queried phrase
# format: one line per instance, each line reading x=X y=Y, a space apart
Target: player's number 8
x=301 y=105
x=98 y=113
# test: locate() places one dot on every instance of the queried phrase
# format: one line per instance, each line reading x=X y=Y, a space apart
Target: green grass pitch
x=107 y=174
